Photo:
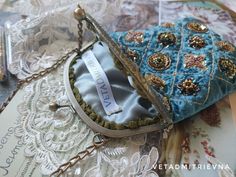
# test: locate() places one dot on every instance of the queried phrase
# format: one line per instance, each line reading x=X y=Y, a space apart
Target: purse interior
x=135 y=110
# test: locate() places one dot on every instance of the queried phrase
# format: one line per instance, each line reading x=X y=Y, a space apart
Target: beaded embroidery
x=199 y=55
x=134 y=36
x=159 y=61
x=228 y=67
x=196 y=42
x=155 y=81
x=132 y=55
x=167 y=38
x=226 y=46
x=168 y=25
x=188 y=87
x=197 y=61
x=197 y=27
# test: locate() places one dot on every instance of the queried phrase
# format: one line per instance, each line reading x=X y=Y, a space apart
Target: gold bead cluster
x=132 y=55
x=188 y=87
x=135 y=36
x=197 y=42
x=227 y=67
x=155 y=81
x=197 y=27
x=159 y=61
x=166 y=38
x=168 y=25
x=225 y=46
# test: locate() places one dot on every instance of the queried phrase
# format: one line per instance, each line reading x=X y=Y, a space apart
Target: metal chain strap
x=81 y=155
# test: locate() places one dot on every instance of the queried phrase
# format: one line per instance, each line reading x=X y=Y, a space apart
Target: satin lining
x=133 y=105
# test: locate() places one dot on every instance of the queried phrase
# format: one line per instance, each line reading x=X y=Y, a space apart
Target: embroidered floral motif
x=228 y=67
x=226 y=46
x=197 y=27
x=167 y=38
x=134 y=36
x=168 y=25
x=197 y=42
x=159 y=61
x=74 y=128
x=155 y=81
x=133 y=55
x=188 y=87
x=197 y=61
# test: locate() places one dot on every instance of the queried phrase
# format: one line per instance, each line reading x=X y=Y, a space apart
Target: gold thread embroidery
x=167 y=38
x=197 y=42
x=133 y=55
x=134 y=36
x=197 y=27
x=188 y=87
x=155 y=81
x=168 y=25
x=226 y=46
x=159 y=61
x=197 y=61
x=227 y=67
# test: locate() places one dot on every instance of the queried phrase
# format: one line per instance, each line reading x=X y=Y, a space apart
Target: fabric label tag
x=102 y=84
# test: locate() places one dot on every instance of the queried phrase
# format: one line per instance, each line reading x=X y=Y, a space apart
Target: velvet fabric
x=212 y=79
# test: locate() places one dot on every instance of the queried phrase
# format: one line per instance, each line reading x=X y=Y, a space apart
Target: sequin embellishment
x=159 y=61
x=134 y=36
x=188 y=87
x=196 y=42
x=228 y=67
x=155 y=81
x=134 y=56
x=197 y=27
x=167 y=38
x=197 y=61
x=226 y=46
x=168 y=25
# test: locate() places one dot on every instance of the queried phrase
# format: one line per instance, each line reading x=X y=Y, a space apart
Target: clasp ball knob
x=79 y=13
x=53 y=106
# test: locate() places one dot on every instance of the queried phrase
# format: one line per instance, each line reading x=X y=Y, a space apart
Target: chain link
x=81 y=155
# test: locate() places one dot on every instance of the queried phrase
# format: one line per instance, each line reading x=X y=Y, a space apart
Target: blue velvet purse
x=153 y=77
x=186 y=62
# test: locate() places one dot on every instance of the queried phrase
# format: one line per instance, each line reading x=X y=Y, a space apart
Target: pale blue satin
x=133 y=106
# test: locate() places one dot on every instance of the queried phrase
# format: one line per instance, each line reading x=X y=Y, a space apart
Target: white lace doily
x=52 y=138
